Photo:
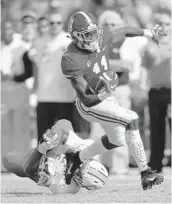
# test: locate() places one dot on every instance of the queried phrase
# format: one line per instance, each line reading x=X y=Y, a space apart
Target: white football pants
x=113 y=118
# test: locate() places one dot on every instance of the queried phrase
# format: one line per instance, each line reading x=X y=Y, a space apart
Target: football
x=96 y=85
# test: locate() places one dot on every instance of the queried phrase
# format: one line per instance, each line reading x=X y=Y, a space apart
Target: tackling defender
x=46 y=164
x=86 y=65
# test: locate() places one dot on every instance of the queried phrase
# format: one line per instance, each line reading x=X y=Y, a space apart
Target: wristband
x=103 y=95
x=147 y=33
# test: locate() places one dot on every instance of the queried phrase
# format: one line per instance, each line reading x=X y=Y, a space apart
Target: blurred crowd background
x=35 y=94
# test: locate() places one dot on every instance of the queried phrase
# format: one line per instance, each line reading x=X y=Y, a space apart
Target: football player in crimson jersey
x=86 y=65
x=46 y=163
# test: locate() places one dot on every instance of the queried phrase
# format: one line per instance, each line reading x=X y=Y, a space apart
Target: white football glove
x=157 y=32
x=51 y=138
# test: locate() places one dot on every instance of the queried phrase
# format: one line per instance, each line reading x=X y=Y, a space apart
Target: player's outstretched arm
x=155 y=33
x=80 y=85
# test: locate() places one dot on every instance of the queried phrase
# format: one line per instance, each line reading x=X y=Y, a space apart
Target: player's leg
x=23 y=166
x=100 y=146
x=115 y=126
x=52 y=140
x=13 y=162
x=69 y=140
x=65 y=139
x=133 y=140
x=27 y=166
x=112 y=116
x=109 y=114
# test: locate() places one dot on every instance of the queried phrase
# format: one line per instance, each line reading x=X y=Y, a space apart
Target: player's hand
x=106 y=85
x=158 y=32
x=51 y=138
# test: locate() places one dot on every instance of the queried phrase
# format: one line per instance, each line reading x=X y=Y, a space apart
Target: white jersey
x=60 y=166
x=58 y=184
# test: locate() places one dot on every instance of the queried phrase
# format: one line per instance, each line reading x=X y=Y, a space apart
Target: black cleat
x=73 y=163
x=150 y=178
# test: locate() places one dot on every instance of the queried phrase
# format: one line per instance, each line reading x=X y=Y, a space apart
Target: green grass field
x=118 y=190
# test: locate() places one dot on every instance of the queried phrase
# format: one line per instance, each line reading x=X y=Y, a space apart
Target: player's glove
x=157 y=32
x=105 y=84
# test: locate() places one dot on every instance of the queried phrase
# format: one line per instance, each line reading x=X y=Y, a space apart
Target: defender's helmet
x=92 y=175
x=86 y=32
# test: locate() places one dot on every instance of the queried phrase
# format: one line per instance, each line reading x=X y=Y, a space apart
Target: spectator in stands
x=158 y=62
x=127 y=11
x=55 y=94
x=144 y=13
x=43 y=26
x=15 y=95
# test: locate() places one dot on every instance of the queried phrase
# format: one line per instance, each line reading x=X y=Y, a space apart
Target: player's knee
x=27 y=169
x=120 y=142
x=107 y=144
x=7 y=160
x=116 y=137
x=134 y=124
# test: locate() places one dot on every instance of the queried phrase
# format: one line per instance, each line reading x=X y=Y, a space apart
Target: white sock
x=136 y=147
x=95 y=149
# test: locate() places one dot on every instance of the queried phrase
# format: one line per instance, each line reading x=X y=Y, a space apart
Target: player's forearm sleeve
x=128 y=32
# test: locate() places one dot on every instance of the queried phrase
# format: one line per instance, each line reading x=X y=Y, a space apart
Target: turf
x=118 y=190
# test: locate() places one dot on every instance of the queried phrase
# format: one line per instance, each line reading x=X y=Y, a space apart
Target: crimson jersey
x=91 y=66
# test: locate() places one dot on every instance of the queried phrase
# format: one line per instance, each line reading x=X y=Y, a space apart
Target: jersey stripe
x=101 y=117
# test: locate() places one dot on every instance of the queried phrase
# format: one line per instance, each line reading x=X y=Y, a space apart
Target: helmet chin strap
x=98 y=48
x=94 y=47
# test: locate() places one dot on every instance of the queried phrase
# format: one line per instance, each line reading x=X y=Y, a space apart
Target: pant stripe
x=100 y=117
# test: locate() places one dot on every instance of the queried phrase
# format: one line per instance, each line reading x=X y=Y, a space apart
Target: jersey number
x=96 y=68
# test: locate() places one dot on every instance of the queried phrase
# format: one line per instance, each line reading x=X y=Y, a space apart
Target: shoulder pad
x=72 y=65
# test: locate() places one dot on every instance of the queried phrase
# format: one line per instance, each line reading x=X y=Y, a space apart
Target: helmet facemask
x=91 y=39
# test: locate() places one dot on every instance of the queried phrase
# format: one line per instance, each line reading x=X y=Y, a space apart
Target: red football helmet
x=85 y=31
